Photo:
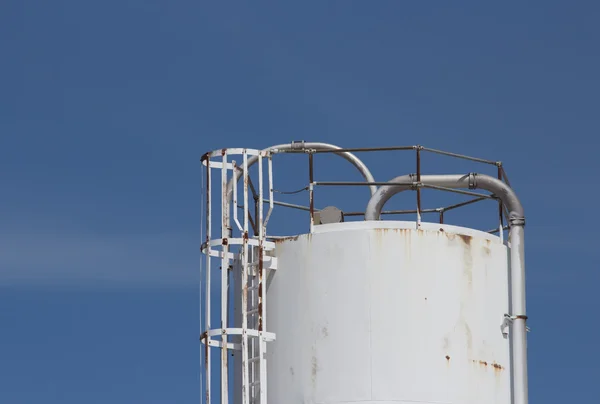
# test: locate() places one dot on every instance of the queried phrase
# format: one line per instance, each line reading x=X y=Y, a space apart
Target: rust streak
x=465 y=239
x=447 y=357
x=496 y=366
x=260 y=286
x=282 y=239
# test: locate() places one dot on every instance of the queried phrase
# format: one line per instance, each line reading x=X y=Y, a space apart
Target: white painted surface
x=370 y=312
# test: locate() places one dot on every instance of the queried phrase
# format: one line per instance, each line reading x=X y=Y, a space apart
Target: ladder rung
x=253 y=311
x=255 y=384
x=256 y=359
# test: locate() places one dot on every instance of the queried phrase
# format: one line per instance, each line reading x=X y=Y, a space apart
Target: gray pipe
x=516 y=243
x=471 y=181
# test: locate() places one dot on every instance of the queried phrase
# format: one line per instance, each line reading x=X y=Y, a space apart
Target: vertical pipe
x=261 y=308
x=208 y=270
x=500 y=208
x=257 y=223
x=441 y=217
x=259 y=216
x=200 y=285
x=259 y=220
x=245 y=368
x=418 y=148
x=235 y=200
x=519 y=327
x=311 y=191
x=271 y=202
x=224 y=280
x=206 y=367
x=252 y=366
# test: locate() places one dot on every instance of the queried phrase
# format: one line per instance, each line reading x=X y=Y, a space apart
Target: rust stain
x=290 y=238
x=497 y=367
x=225 y=241
x=260 y=286
x=465 y=239
x=468 y=262
x=448 y=358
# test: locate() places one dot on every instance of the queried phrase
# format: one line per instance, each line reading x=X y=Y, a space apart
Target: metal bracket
x=298 y=144
x=507 y=322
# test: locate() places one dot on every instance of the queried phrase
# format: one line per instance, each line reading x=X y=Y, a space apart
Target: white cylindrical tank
x=379 y=312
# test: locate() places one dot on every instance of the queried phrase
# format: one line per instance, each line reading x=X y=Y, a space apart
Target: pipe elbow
x=402 y=183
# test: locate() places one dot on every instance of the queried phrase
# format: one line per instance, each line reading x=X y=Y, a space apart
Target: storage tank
x=383 y=312
x=368 y=311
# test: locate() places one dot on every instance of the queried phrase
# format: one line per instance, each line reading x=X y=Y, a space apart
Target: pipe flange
x=517 y=221
x=472 y=181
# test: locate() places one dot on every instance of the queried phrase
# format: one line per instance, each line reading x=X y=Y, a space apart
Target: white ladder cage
x=247 y=268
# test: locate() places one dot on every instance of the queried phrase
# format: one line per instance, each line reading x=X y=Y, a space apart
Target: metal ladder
x=248 y=335
x=255 y=366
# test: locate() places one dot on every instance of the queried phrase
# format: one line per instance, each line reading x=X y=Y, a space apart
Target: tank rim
x=405 y=225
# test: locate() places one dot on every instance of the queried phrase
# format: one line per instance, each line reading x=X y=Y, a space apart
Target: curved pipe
x=308 y=146
x=355 y=161
x=516 y=240
x=471 y=181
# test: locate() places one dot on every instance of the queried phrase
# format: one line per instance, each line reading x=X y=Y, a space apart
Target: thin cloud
x=155 y=260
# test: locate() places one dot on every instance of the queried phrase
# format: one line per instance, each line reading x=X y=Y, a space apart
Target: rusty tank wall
x=380 y=312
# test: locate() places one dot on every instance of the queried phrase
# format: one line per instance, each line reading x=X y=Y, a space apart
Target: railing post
x=311 y=191
x=418 y=148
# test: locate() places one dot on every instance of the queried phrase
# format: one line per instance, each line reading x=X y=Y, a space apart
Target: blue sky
x=105 y=109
